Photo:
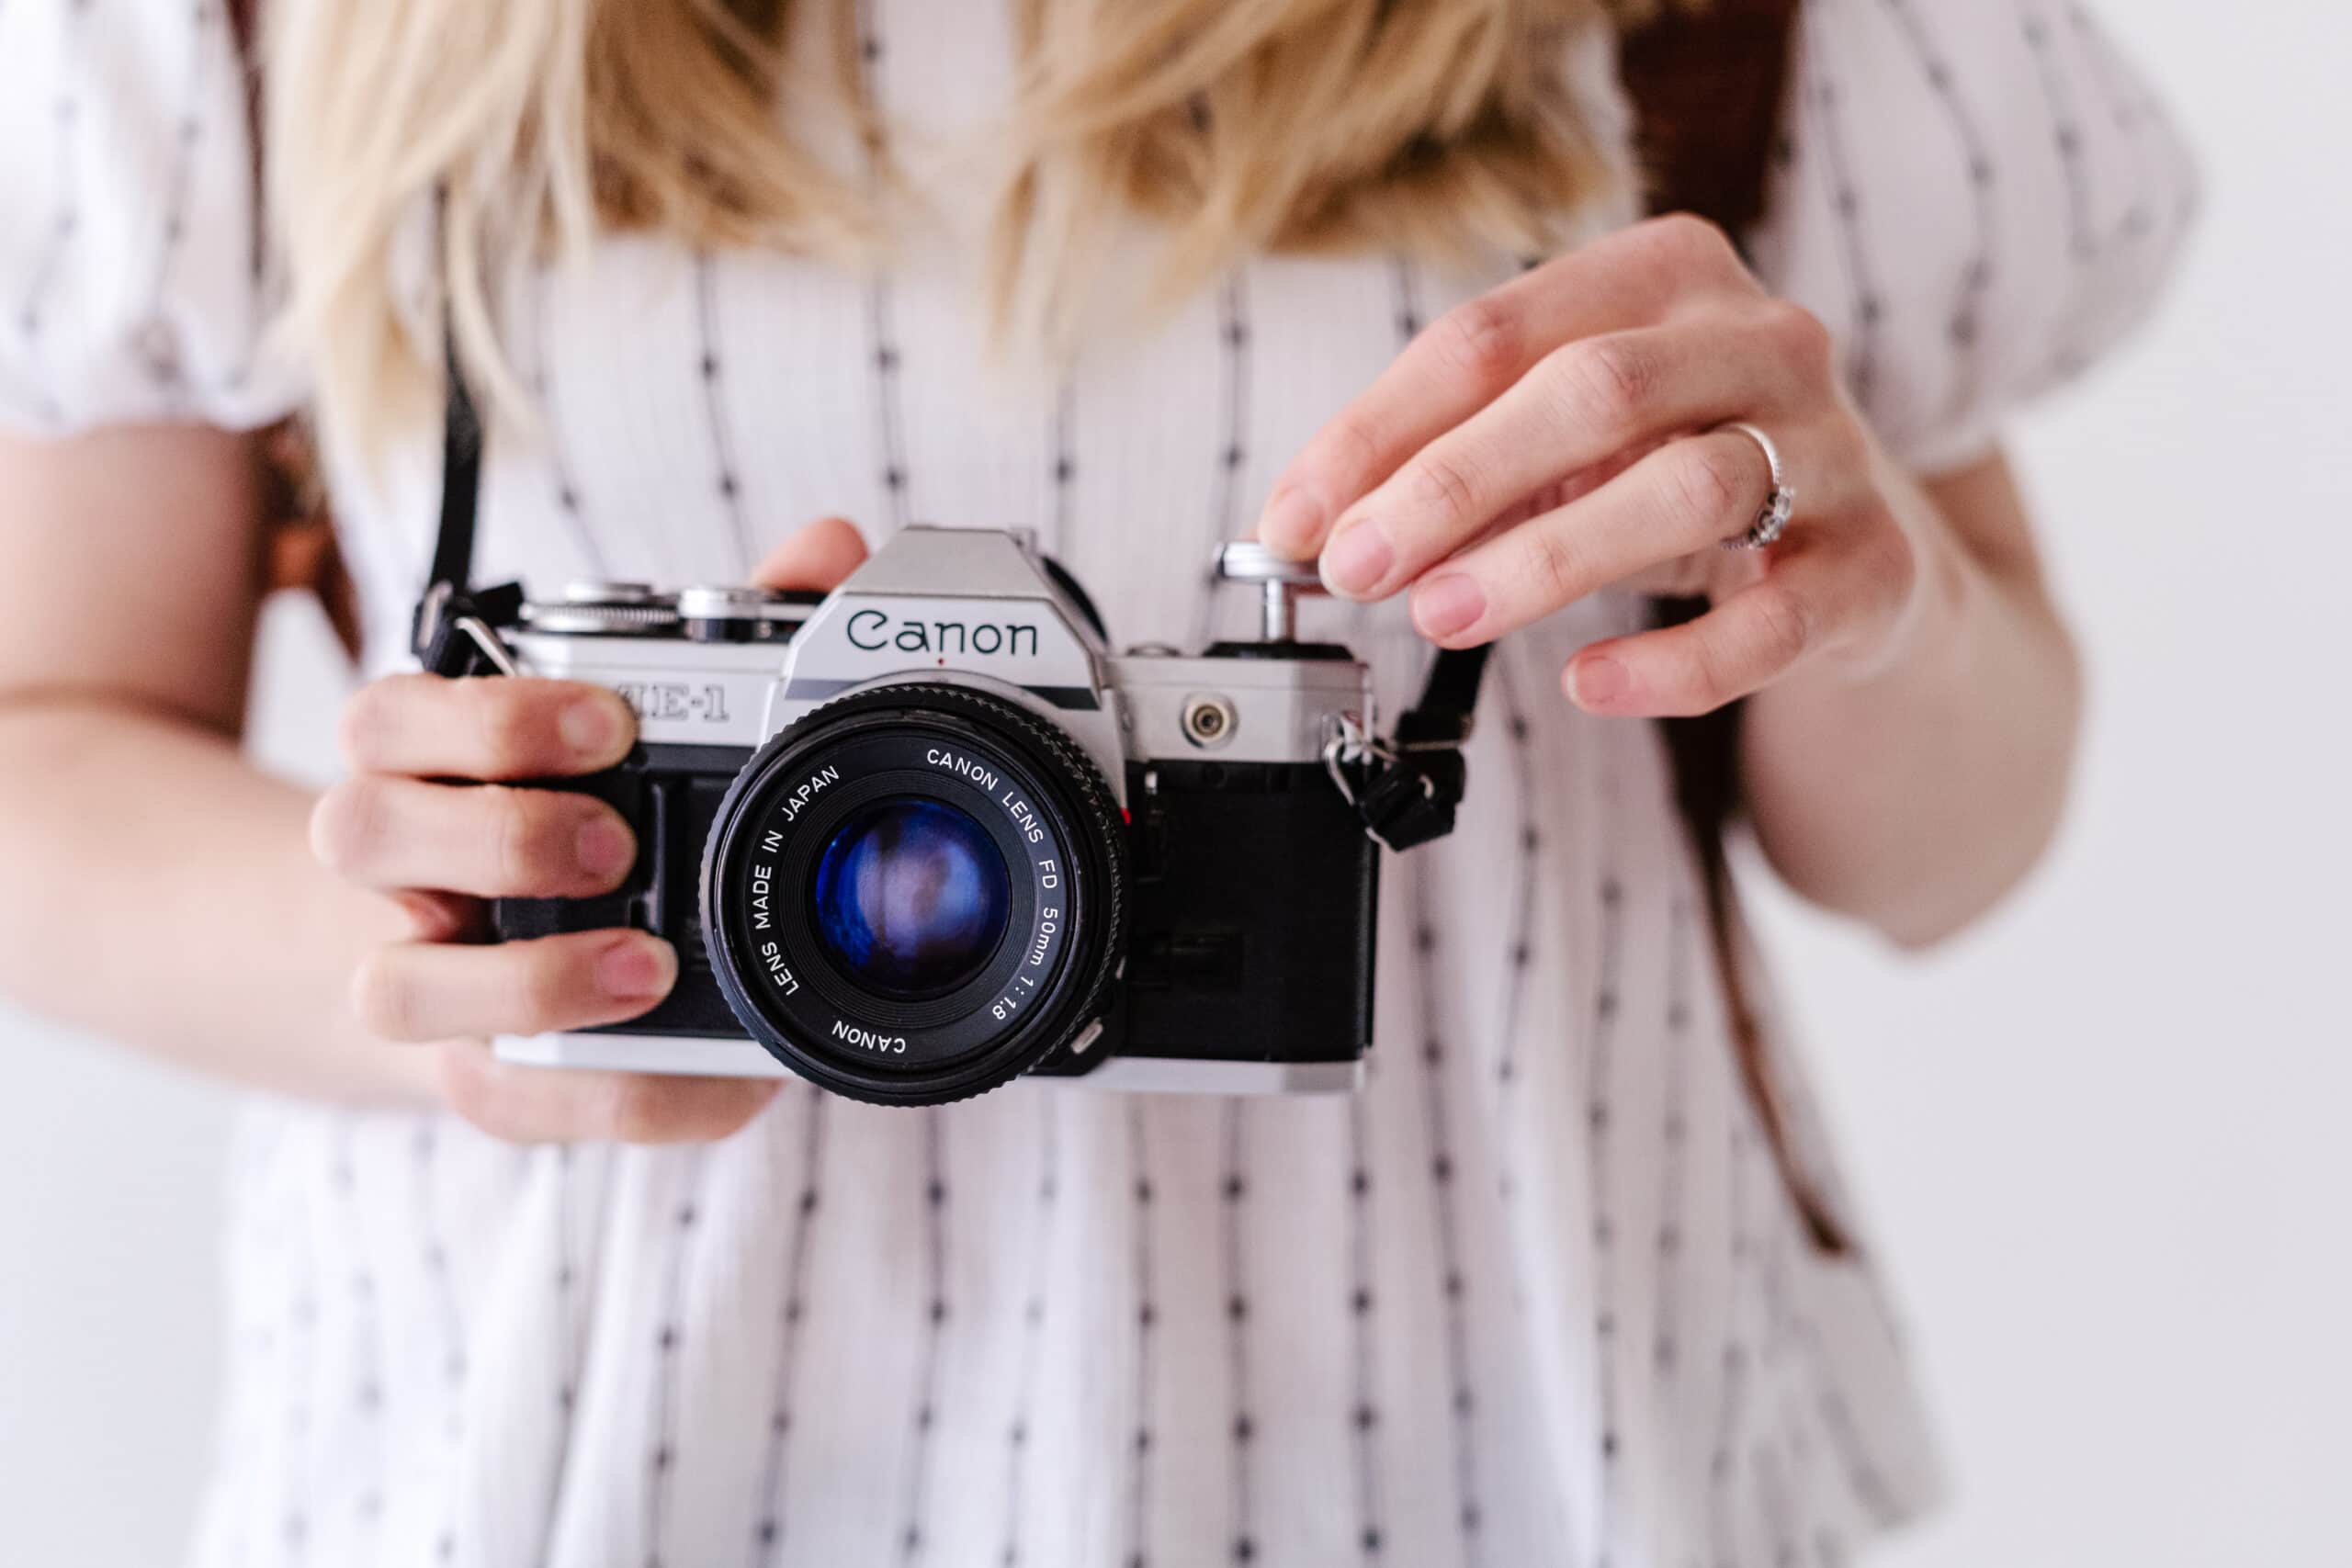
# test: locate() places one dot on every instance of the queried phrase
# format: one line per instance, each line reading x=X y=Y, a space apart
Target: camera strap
x=455 y=629
x=1407 y=785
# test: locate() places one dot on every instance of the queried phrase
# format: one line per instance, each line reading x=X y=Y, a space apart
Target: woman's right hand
x=400 y=825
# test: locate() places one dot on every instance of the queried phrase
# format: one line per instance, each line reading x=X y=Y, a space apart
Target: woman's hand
x=399 y=825
x=1557 y=436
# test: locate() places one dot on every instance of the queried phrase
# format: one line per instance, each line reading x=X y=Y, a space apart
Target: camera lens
x=916 y=892
x=911 y=898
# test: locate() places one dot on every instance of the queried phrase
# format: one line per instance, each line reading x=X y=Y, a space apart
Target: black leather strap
x=439 y=638
x=1414 y=785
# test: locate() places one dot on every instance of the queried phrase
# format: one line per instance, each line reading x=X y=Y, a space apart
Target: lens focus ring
x=852 y=902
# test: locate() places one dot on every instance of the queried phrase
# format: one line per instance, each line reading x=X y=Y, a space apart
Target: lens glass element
x=911 y=898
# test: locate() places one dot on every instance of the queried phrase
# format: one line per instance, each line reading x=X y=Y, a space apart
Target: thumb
x=816 y=557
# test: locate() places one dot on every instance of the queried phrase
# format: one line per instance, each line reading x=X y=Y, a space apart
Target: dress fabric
x=1537 y=1296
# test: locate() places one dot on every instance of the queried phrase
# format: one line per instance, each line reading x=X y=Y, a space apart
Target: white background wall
x=2105 y=1139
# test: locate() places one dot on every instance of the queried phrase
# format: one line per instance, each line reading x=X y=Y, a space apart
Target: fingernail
x=1355 y=561
x=606 y=847
x=1288 y=527
x=1597 y=682
x=592 y=725
x=1445 y=606
x=636 y=967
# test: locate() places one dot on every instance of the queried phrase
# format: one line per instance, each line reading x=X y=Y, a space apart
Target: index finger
x=1467 y=357
x=489 y=726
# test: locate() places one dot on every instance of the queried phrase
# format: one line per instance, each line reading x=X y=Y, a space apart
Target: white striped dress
x=1537 y=1296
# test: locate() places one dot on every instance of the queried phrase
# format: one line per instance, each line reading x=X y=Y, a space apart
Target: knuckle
x=348 y=823
x=638 y=1111
x=1447 y=482
x=1784 y=621
x=1708 y=484
x=1481 y=339
x=522 y=835
x=506 y=720
x=1349 y=448
x=1801 y=338
x=384 y=997
x=1549 y=563
x=1690 y=242
x=1608 y=382
x=360 y=724
x=547 y=985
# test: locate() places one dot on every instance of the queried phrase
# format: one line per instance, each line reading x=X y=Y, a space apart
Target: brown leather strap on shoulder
x=1707 y=83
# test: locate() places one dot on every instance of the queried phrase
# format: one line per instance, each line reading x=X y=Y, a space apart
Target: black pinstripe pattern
x=1600 y=1118
x=1233 y=451
x=714 y=402
x=2065 y=126
x=567 y=488
x=435 y=1255
x=1364 y=1317
x=768 y=1530
x=1665 y=1334
x=65 y=217
x=1063 y=444
x=158 y=348
x=1772 y=1504
x=1738 y=1355
x=367 y=1388
x=1518 y=950
x=880 y=308
x=2126 y=111
x=668 y=1340
x=1235 y=1193
x=1824 y=97
x=1453 y=1285
x=2066 y=131
x=1018 y=1437
x=1964 y=325
x=934 y=1310
x=571 y=1330
x=300 y=1361
x=1147 y=1308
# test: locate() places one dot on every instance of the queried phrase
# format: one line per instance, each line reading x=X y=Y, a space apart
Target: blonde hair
x=1434 y=126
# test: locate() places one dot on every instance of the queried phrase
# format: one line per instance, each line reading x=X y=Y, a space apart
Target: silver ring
x=1772 y=517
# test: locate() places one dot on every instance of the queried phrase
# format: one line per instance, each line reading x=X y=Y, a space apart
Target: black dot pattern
x=806 y=1203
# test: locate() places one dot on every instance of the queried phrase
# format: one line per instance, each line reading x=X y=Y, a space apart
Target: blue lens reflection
x=912 y=897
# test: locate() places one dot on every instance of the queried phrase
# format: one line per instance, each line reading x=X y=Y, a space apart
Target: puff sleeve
x=132 y=277
x=1980 y=197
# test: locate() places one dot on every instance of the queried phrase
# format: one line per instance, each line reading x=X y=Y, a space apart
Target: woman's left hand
x=1558 y=435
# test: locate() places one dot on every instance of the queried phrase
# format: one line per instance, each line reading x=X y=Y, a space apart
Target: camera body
x=925 y=834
